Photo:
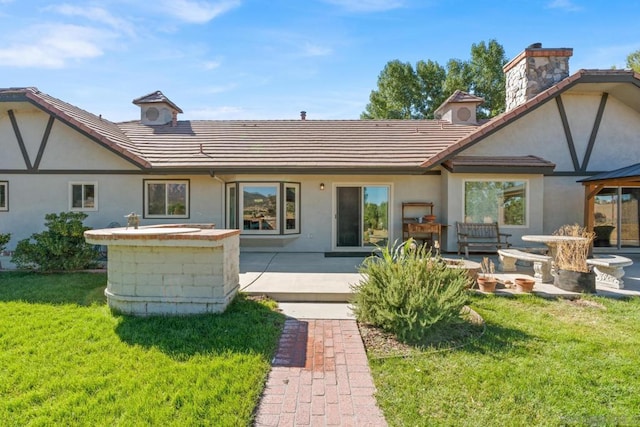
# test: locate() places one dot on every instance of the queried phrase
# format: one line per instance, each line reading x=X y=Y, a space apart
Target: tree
x=633 y=61
x=405 y=93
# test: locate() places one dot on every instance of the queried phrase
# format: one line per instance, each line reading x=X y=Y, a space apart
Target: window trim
x=83 y=208
x=145 y=192
x=278 y=208
x=5 y=208
x=527 y=195
x=285 y=186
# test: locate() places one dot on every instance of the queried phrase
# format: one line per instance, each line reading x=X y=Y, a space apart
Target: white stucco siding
x=563 y=203
x=618 y=140
x=31 y=197
x=539 y=133
x=455 y=205
x=11 y=157
x=581 y=111
x=68 y=149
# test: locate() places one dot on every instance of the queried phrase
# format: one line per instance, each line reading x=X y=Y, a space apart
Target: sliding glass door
x=362 y=216
x=617 y=217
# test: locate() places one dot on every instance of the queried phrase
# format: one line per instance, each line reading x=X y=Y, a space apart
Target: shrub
x=61 y=248
x=4 y=239
x=406 y=291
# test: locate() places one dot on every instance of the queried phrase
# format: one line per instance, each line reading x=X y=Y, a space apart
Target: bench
x=609 y=269
x=483 y=236
x=541 y=263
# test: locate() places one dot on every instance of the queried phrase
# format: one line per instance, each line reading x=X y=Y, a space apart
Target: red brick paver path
x=320 y=377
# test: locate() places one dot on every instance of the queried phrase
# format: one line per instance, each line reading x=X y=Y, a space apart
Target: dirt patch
x=381 y=344
x=579 y=302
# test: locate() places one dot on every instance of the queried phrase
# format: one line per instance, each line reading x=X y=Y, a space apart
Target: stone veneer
x=533 y=71
x=170 y=270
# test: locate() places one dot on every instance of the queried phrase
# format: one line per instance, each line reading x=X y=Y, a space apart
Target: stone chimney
x=533 y=71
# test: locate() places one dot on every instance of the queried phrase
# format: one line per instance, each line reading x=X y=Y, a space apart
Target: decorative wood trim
x=43 y=143
x=16 y=131
x=567 y=132
x=594 y=131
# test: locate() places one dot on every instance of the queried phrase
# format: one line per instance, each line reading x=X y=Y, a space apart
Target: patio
x=314 y=278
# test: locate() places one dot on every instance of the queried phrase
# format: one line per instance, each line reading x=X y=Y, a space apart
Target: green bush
x=4 y=239
x=61 y=248
x=406 y=291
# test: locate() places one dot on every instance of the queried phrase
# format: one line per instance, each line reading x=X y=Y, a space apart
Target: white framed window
x=501 y=201
x=291 y=208
x=4 y=195
x=83 y=196
x=166 y=198
x=263 y=208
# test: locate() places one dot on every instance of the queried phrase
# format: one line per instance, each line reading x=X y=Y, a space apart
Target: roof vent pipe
x=303 y=115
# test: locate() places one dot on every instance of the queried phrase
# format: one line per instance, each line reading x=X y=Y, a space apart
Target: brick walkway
x=320 y=377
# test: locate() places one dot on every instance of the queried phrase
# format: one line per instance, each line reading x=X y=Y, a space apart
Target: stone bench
x=541 y=263
x=609 y=270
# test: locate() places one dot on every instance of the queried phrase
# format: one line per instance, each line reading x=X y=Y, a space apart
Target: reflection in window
x=83 y=196
x=503 y=202
x=376 y=216
x=166 y=198
x=263 y=207
x=259 y=207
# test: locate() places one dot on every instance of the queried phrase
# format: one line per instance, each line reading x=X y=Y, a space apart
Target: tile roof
x=510 y=164
x=156 y=97
x=294 y=145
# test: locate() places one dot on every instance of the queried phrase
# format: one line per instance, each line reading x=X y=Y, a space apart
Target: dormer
x=157 y=109
x=459 y=108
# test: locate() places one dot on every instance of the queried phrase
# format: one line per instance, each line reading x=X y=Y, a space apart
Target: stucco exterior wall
x=33 y=196
x=455 y=205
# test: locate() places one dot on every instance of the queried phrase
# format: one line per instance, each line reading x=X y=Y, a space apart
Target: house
x=336 y=185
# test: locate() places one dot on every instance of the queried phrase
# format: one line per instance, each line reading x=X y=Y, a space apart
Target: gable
x=34 y=140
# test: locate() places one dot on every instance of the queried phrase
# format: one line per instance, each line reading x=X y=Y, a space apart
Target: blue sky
x=270 y=59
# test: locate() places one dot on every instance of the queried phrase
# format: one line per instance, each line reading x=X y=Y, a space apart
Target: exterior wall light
x=322 y=186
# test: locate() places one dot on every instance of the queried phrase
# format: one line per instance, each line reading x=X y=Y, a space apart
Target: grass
x=66 y=359
x=539 y=362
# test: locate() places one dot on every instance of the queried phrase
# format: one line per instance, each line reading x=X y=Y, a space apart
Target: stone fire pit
x=170 y=269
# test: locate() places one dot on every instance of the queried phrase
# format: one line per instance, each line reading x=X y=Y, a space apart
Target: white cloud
x=219 y=89
x=53 y=46
x=198 y=12
x=316 y=50
x=211 y=65
x=368 y=5
x=96 y=14
x=567 y=5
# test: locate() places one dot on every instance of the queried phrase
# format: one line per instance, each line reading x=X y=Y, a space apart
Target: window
x=504 y=202
x=166 y=199
x=83 y=196
x=4 y=195
x=264 y=207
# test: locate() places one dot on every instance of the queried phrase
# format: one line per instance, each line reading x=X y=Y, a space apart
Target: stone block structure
x=170 y=270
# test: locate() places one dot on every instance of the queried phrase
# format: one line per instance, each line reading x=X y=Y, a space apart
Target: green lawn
x=539 y=362
x=65 y=359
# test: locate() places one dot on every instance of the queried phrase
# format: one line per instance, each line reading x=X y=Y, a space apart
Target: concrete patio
x=310 y=285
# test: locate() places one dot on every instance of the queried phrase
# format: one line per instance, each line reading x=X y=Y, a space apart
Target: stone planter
x=524 y=284
x=575 y=281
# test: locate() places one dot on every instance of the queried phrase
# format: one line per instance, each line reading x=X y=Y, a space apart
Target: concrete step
x=289 y=295
x=300 y=310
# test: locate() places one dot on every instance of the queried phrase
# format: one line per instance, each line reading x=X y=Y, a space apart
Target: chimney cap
x=536 y=45
x=303 y=115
